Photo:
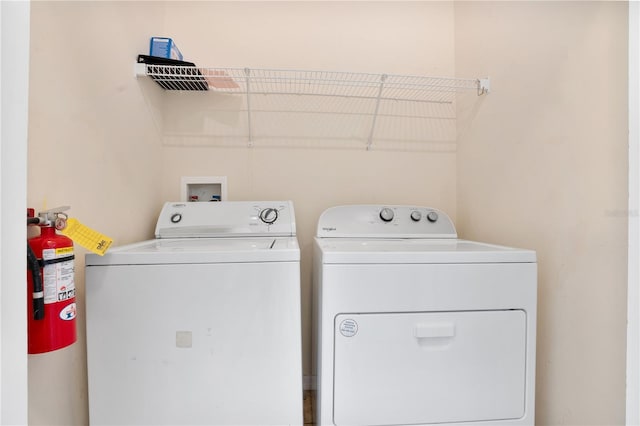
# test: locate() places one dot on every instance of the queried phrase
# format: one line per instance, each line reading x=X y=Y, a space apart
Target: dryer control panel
x=385 y=221
x=226 y=219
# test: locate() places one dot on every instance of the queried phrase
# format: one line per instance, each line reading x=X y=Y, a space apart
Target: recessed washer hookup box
x=164 y=47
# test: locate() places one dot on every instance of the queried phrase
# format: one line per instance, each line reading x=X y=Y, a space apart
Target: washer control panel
x=226 y=219
x=385 y=221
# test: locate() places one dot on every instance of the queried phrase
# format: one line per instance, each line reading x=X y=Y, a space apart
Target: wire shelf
x=377 y=96
x=318 y=83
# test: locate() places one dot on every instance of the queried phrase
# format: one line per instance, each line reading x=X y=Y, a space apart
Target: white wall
x=14 y=84
x=633 y=256
x=544 y=166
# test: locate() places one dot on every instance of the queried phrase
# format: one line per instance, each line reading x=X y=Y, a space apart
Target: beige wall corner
x=93 y=145
x=543 y=165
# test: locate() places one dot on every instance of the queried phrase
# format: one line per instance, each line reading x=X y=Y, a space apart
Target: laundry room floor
x=309 y=398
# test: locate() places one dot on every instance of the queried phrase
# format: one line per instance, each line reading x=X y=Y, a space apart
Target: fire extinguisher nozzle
x=38 y=291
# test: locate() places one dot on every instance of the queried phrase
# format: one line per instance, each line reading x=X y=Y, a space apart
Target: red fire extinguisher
x=51 y=292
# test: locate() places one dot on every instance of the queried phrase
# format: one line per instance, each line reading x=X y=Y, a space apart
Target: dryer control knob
x=416 y=216
x=432 y=216
x=176 y=217
x=386 y=214
x=269 y=215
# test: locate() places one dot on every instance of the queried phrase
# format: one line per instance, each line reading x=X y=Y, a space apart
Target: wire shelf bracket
x=484 y=86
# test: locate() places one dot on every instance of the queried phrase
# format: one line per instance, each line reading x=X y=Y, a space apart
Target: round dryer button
x=386 y=214
x=432 y=216
x=176 y=217
x=416 y=216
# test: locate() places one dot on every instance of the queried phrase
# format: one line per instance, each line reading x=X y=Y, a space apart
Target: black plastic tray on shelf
x=172 y=74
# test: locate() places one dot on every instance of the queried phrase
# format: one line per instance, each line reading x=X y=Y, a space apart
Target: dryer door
x=435 y=367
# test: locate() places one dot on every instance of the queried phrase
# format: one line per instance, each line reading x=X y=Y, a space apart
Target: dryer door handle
x=435 y=330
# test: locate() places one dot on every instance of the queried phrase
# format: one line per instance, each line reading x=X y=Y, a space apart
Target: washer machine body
x=416 y=327
x=200 y=326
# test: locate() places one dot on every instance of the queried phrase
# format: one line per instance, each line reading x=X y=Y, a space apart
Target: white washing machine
x=416 y=327
x=200 y=326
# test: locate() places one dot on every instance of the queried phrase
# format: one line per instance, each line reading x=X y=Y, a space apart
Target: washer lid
x=394 y=251
x=201 y=250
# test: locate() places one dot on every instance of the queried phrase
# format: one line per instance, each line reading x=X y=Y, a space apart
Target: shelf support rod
x=247 y=73
x=383 y=77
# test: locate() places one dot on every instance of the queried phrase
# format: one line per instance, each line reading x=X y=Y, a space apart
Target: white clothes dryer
x=414 y=326
x=200 y=326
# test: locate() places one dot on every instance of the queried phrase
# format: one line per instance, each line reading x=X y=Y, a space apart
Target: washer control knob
x=176 y=217
x=416 y=216
x=386 y=214
x=432 y=217
x=269 y=215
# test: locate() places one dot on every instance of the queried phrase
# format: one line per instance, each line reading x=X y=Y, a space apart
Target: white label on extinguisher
x=69 y=312
x=58 y=277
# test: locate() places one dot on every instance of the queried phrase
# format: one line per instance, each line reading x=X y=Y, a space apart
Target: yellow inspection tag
x=87 y=237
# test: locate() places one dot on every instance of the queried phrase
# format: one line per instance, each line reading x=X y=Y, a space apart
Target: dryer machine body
x=416 y=327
